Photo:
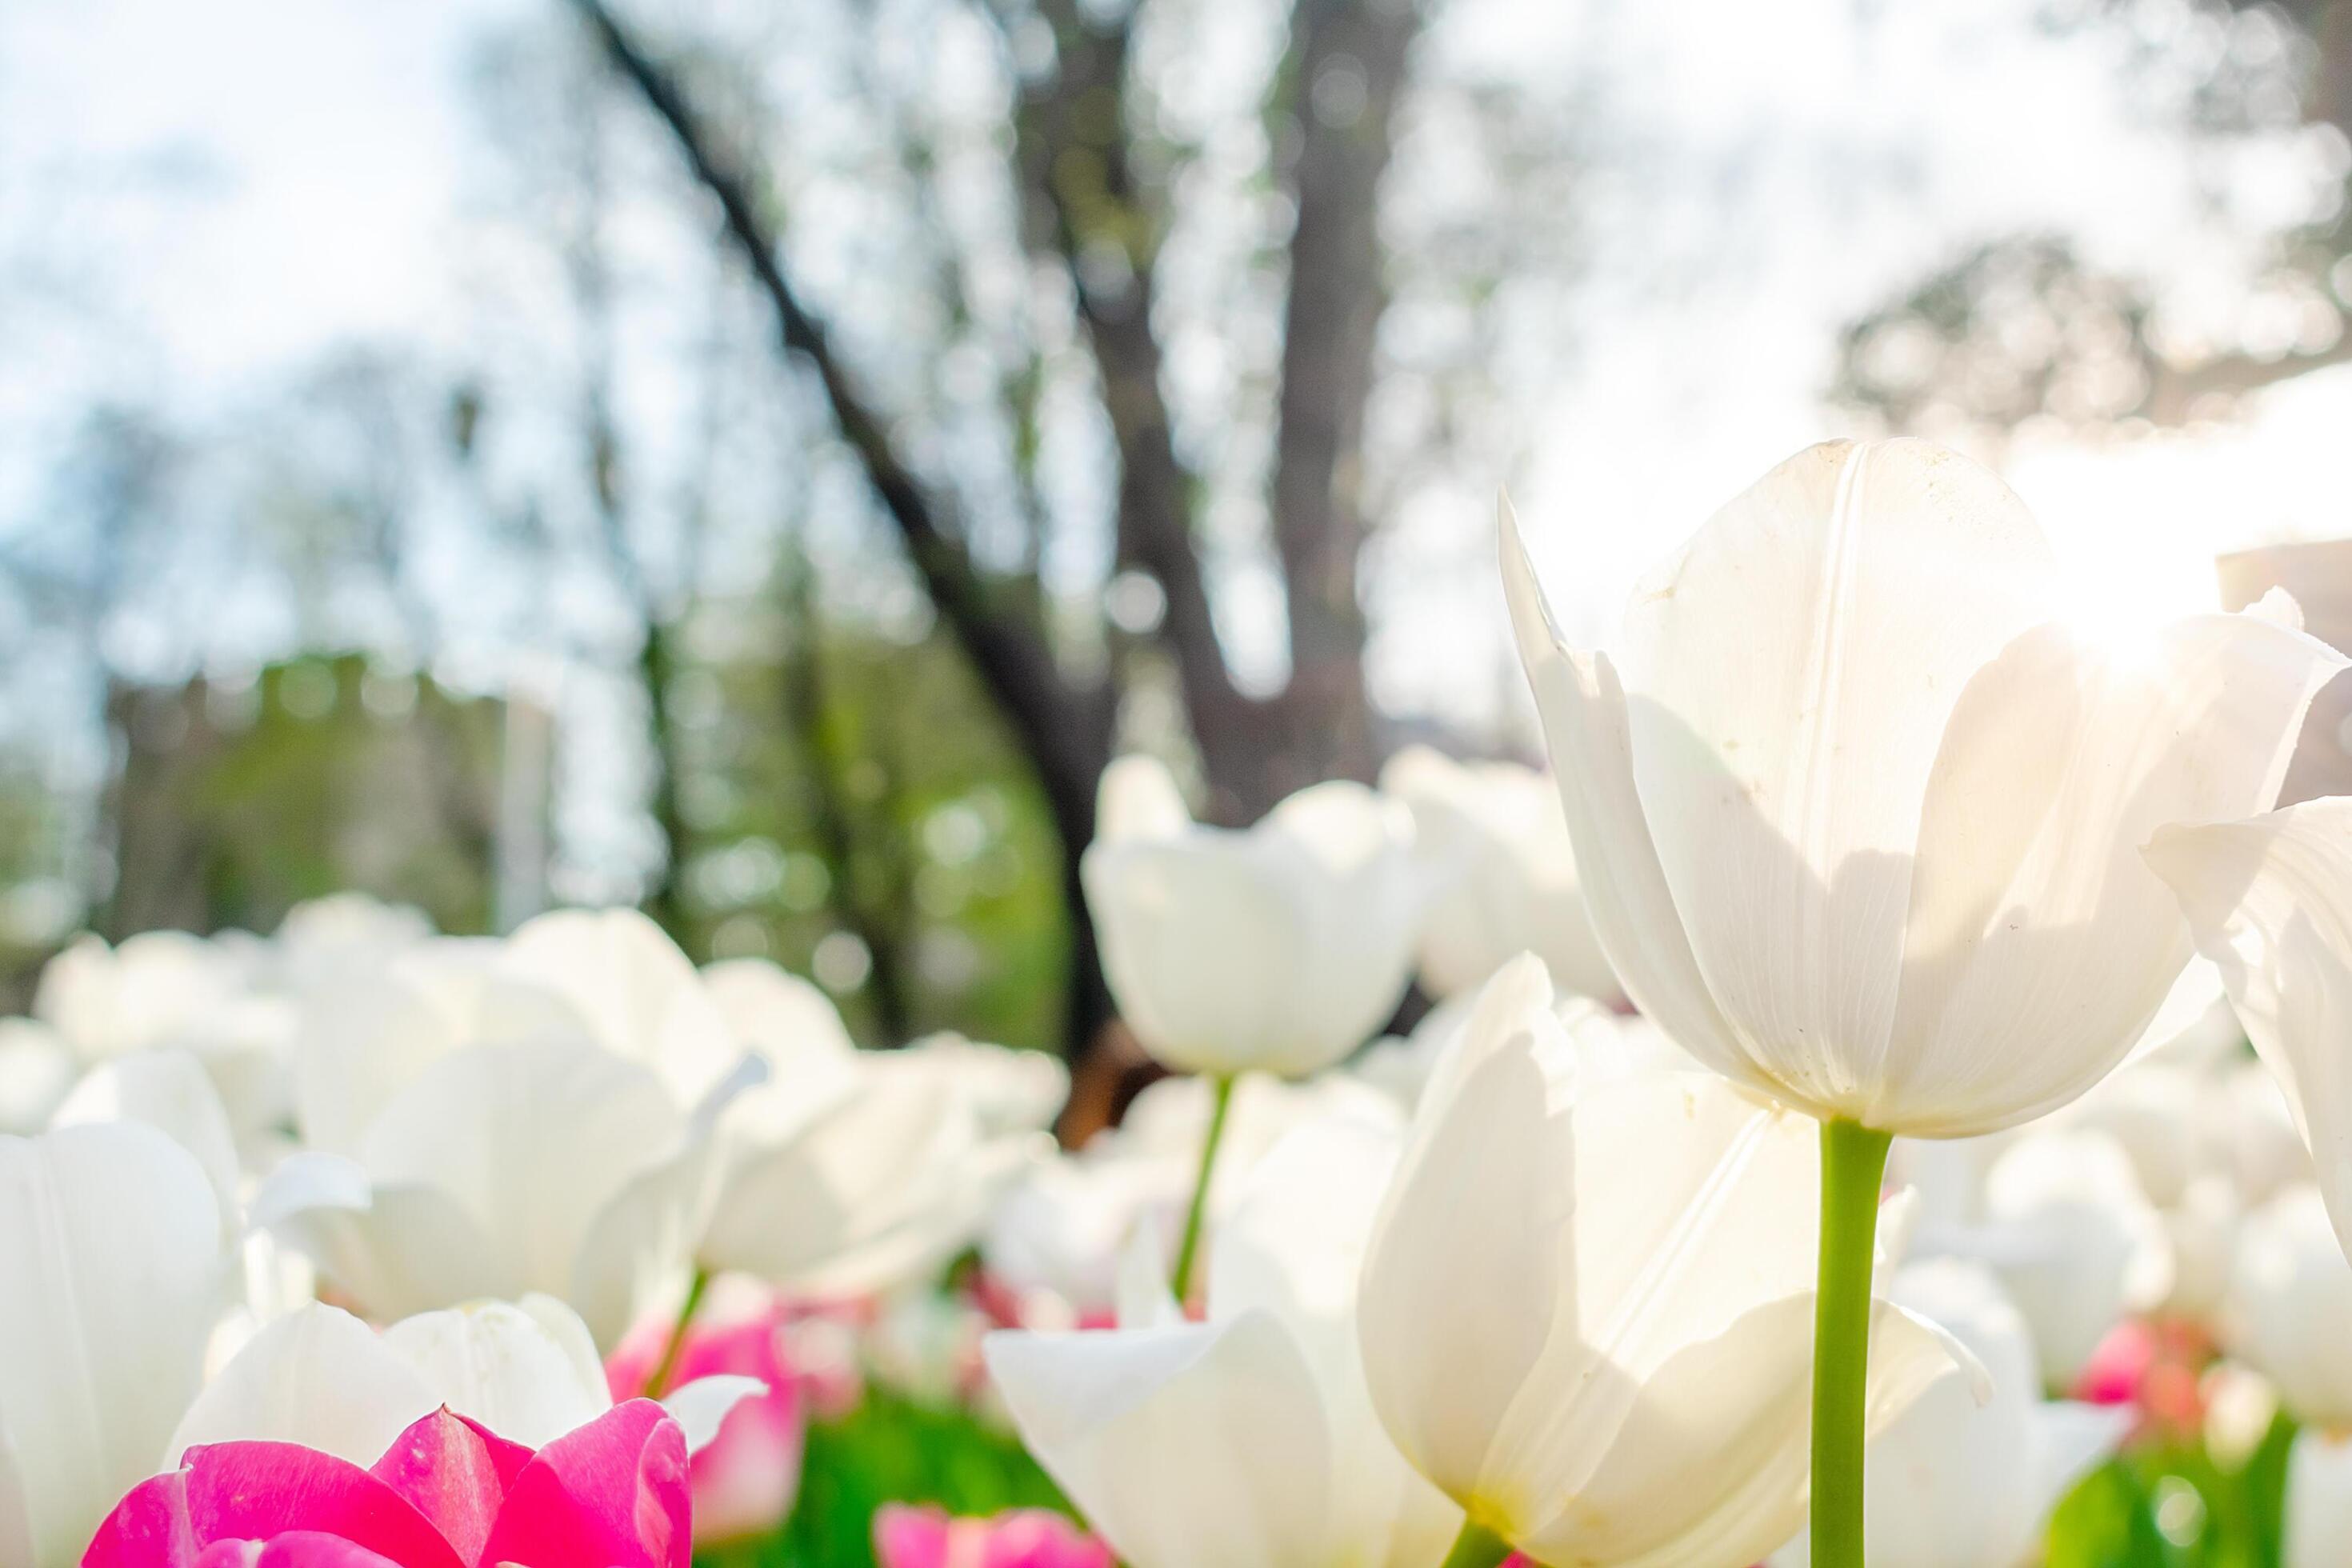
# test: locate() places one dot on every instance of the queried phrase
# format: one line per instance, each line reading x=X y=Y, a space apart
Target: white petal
x=171 y=1092
x=2039 y=943
x=1788 y=677
x=636 y=991
x=529 y=1373
x=115 y=1275
x=1583 y=711
x=702 y=1407
x=1187 y=1445
x=2270 y=900
x=2071 y=1440
x=318 y=1377
x=531 y=1140
x=2318 y=1524
x=1137 y=798
x=36 y=1071
x=786 y=1019
x=393 y=1250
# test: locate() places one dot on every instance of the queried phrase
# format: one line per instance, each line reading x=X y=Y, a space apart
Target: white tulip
x=2075 y=1242
x=1280 y=949
x=498 y=1169
x=1587 y=1313
x=1956 y=1483
x=1491 y=836
x=2290 y=1301
x=1610 y=1045
x=639 y=996
x=2271 y=902
x=1055 y=1240
x=2318 y=1524
x=1246 y=1440
x=1858 y=822
x=320 y=1377
x=114 y=1273
x=37 y=1070
x=169 y=1091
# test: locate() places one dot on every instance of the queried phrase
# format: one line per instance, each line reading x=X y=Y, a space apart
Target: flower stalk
x=1478 y=1547
x=1854 y=1162
x=657 y=1383
x=1221 y=1088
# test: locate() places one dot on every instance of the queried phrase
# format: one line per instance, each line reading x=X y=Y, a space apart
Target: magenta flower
x=745 y=1478
x=907 y=1536
x=448 y=1494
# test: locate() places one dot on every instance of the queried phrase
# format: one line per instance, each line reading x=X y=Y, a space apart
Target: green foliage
x=891 y=1449
x=2170 y=1505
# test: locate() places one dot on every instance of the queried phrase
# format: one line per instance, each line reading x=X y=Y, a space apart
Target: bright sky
x=1829 y=148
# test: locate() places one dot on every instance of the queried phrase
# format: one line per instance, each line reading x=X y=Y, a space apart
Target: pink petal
x=612 y=1493
x=907 y=1536
x=455 y=1474
x=148 y=1529
x=255 y=1491
x=746 y=1477
x=309 y=1549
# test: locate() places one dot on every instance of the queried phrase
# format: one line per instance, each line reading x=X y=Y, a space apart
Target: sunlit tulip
x=746 y=1477
x=447 y=1493
x=2271 y=902
x=1491 y=837
x=112 y=1273
x=1280 y=949
x=2075 y=1242
x=1053 y=1241
x=908 y=1537
x=1587 y=1310
x=2290 y=1298
x=1246 y=1440
x=1956 y=1483
x=1610 y=1044
x=1858 y=818
x=546 y=1166
x=1859 y=821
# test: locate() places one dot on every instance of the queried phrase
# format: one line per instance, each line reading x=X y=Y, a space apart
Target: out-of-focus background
x=760 y=460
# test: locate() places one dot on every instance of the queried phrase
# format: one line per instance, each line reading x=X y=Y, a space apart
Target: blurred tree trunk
x=1339 y=86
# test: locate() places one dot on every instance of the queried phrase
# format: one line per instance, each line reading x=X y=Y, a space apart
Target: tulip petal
x=1199 y=1443
x=455 y=1474
x=2270 y=900
x=115 y=1267
x=169 y=1091
x=309 y=1549
x=1582 y=708
x=528 y=1371
x=614 y=1493
x=318 y=1377
x=148 y=1529
x=394 y=1249
x=531 y=1141
x=701 y=1408
x=1788 y=675
x=253 y=1491
x=2039 y=947
x=636 y=991
x=2070 y=1440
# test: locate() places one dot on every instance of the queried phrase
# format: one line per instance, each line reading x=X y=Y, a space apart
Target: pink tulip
x=908 y=1537
x=745 y=1479
x=448 y=1494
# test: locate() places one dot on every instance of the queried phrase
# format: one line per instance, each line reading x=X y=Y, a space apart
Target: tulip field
x=1882 y=1094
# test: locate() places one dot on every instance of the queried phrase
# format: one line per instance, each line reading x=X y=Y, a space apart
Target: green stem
x=1477 y=1547
x=1221 y=1090
x=1853 y=1160
x=658 y=1383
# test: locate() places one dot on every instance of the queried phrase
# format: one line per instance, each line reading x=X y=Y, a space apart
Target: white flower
x=1587 y=1313
x=114 y=1274
x=1246 y=1440
x=1959 y=1483
x=1280 y=949
x=2073 y=1239
x=320 y=1377
x=546 y=1164
x=1858 y=822
x=1491 y=836
x=2271 y=902
x=36 y=1072
x=2290 y=1301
